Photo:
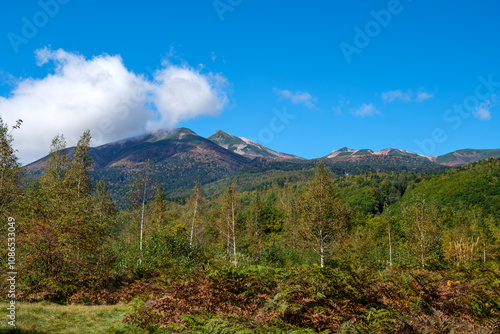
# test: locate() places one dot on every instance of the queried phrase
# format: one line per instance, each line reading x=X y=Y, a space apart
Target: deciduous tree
x=422 y=223
x=10 y=171
x=139 y=192
x=228 y=218
x=194 y=207
x=323 y=216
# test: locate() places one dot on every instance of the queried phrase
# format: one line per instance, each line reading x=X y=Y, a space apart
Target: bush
x=161 y=250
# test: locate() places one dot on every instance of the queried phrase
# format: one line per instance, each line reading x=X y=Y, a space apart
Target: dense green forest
x=302 y=251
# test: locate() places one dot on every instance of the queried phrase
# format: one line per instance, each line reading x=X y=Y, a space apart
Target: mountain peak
x=341 y=152
x=176 y=133
x=220 y=132
x=245 y=147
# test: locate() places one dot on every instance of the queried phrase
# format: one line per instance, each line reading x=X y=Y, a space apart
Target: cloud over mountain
x=102 y=95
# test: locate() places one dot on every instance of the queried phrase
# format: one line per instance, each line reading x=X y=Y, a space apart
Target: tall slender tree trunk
x=422 y=250
x=484 y=251
x=321 y=248
x=192 y=224
x=142 y=224
x=390 y=247
x=234 y=232
x=322 y=256
x=228 y=242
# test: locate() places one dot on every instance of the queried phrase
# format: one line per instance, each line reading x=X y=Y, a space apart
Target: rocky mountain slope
x=246 y=147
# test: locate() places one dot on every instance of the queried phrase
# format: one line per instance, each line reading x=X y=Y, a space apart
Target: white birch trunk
x=192 y=225
x=484 y=251
x=142 y=225
x=390 y=247
x=234 y=231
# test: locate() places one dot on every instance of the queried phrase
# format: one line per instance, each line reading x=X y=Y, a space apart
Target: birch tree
x=484 y=228
x=139 y=192
x=229 y=205
x=323 y=217
x=56 y=168
x=195 y=203
x=422 y=225
x=78 y=175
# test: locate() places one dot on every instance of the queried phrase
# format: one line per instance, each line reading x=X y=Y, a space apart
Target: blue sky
x=273 y=72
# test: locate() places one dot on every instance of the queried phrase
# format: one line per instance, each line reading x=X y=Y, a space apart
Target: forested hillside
x=474 y=185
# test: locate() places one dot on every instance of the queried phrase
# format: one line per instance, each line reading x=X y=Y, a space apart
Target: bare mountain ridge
x=246 y=147
x=457 y=158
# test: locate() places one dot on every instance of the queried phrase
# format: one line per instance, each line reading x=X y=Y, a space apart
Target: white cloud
x=422 y=96
x=297 y=97
x=366 y=110
x=407 y=96
x=182 y=93
x=341 y=105
x=483 y=112
x=102 y=95
x=394 y=95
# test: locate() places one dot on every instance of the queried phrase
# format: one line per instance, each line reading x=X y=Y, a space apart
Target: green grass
x=45 y=317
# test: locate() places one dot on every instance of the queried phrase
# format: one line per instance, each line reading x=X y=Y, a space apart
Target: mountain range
x=179 y=158
x=456 y=158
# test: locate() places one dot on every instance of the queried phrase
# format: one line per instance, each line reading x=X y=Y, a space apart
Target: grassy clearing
x=45 y=317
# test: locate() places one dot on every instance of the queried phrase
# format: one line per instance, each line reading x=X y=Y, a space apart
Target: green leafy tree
x=487 y=231
x=422 y=223
x=291 y=236
x=103 y=206
x=78 y=175
x=255 y=225
x=10 y=171
x=52 y=181
x=64 y=236
x=324 y=218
